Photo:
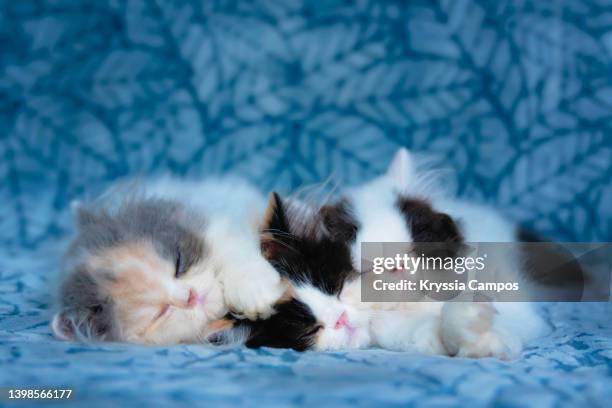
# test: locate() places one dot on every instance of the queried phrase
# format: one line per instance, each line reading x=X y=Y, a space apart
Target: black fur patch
x=525 y=235
x=550 y=264
x=339 y=222
x=292 y=326
x=429 y=226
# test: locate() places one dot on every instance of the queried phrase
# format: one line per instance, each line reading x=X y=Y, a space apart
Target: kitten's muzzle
x=342 y=321
x=188 y=300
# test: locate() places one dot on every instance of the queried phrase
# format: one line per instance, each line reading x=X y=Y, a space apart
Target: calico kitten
x=157 y=262
x=325 y=311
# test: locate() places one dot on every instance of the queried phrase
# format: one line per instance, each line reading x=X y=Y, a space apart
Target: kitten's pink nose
x=193 y=298
x=342 y=320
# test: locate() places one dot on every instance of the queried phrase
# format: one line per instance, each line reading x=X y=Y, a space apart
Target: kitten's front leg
x=251 y=286
x=401 y=330
x=468 y=330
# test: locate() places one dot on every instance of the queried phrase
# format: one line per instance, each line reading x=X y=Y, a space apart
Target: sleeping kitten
x=157 y=262
x=320 y=258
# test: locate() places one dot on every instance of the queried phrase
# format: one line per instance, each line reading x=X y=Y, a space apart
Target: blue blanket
x=571 y=366
x=513 y=96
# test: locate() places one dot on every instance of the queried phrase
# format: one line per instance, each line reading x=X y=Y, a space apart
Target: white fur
x=233 y=210
x=479 y=223
x=403 y=330
x=374 y=207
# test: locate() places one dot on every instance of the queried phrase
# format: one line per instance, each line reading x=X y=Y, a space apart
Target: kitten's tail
x=550 y=268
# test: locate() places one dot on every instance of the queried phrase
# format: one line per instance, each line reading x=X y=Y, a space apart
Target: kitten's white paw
x=427 y=339
x=491 y=344
x=468 y=330
x=254 y=294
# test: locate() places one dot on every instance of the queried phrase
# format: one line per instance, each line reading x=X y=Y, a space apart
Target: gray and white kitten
x=158 y=262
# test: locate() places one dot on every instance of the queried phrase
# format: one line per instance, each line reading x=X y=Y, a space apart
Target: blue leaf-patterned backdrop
x=515 y=96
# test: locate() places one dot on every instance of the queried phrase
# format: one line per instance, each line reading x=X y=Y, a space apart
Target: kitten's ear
x=62 y=327
x=275 y=218
x=402 y=169
x=275 y=228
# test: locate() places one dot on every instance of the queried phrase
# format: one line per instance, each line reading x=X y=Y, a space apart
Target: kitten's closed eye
x=313 y=332
x=179 y=266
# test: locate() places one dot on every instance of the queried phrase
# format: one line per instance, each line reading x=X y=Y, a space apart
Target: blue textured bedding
x=513 y=96
x=572 y=366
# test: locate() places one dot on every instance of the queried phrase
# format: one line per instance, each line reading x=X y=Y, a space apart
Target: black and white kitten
x=318 y=251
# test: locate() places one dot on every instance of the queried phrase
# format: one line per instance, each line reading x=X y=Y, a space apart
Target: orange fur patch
x=289 y=293
x=221 y=324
